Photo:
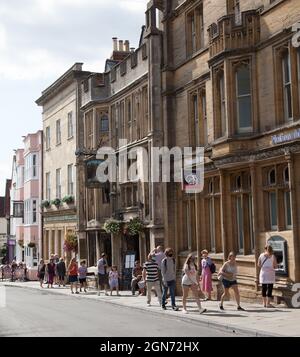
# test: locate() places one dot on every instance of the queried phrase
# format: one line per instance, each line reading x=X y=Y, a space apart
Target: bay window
x=244 y=98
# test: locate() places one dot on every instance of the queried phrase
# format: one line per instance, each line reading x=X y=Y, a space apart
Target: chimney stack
x=132 y=49
x=115 y=43
x=121 y=46
x=127 y=45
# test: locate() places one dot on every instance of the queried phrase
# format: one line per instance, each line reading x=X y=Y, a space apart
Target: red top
x=73 y=271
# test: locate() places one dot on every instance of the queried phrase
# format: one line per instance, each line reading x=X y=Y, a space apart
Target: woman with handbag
x=228 y=276
x=267 y=264
x=190 y=280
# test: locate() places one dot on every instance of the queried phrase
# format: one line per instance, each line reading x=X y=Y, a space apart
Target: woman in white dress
x=190 y=281
x=267 y=263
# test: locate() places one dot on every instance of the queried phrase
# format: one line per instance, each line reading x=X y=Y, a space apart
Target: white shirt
x=267 y=271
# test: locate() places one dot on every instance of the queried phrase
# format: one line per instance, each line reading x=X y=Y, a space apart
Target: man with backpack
x=168 y=271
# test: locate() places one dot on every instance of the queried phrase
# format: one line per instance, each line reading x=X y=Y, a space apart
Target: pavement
x=255 y=321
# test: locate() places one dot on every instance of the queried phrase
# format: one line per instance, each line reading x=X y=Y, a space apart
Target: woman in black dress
x=41 y=272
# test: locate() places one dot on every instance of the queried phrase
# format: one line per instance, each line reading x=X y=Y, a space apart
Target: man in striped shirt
x=151 y=276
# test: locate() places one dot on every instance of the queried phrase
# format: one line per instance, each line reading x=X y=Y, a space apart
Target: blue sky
x=39 y=41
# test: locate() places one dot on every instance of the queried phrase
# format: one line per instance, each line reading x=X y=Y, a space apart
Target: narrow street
x=43 y=314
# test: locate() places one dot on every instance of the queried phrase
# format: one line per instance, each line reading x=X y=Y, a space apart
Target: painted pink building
x=16 y=206
x=32 y=197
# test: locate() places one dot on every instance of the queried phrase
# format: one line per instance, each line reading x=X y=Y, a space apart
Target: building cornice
x=62 y=82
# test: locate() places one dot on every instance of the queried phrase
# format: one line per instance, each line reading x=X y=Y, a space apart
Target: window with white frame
x=58 y=132
x=48 y=138
x=70 y=180
x=20 y=176
x=30 y=211
x=58 y=183
x=48 y=186
x=31 y=167
x=70 y=125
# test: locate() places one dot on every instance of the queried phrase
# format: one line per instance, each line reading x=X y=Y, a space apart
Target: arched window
x=272 y=177
x=238 y=182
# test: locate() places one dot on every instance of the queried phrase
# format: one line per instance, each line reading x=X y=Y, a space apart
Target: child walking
x=114 y=280
x=82 y=273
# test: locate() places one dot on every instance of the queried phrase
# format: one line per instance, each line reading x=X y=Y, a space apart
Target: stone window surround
x=280 y=187
x=197 y=12
x=228 y=68
x=200 y=92
x=279 y=50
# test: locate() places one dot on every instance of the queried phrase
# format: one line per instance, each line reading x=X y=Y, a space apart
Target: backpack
x=212 y=268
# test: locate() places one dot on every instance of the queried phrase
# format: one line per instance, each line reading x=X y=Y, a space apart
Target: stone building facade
x=116 y=105
x=223 y=75
x=232 y=85
x=60 y=103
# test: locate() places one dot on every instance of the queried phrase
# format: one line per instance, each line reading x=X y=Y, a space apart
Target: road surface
x=30 y=313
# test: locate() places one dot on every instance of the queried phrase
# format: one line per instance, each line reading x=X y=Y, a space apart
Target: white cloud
x=42 y=38
x=2 y=38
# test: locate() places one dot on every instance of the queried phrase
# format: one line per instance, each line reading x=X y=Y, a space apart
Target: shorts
x=41 y=276
x=73 y=279
x=113 y=284
x=102 y=279
x=228 y=284
x=83 y=280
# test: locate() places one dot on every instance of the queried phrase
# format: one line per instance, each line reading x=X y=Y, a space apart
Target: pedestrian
x=51 y=273
x=14 y=267
x=228 y=276
x=82 y=273
x=267 y=263
x=137 y=276
x=190 y=281
x=41 y=272
x=114 y=280
x=206 y=274
x=73 y=275
x=102 y=274
x=61 y=272
x=168 y=270
x=56 y=261
x=158 y=255
x=151 y=276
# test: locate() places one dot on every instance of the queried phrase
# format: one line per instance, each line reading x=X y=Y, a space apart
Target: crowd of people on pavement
x=158 y=274
x=14 y=271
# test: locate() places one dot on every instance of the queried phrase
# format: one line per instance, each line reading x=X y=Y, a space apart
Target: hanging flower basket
x=135 y=226
x=31 y=245
x=68 y=199
x=45 y=204
x=71 y=243
x=56 y=202
x=112 y=226
x=21 y=243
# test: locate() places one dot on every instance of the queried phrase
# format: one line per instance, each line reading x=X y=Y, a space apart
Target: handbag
x=220 y=276
x=141 y=284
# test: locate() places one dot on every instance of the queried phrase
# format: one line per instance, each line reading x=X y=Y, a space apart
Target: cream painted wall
x=60 y=156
